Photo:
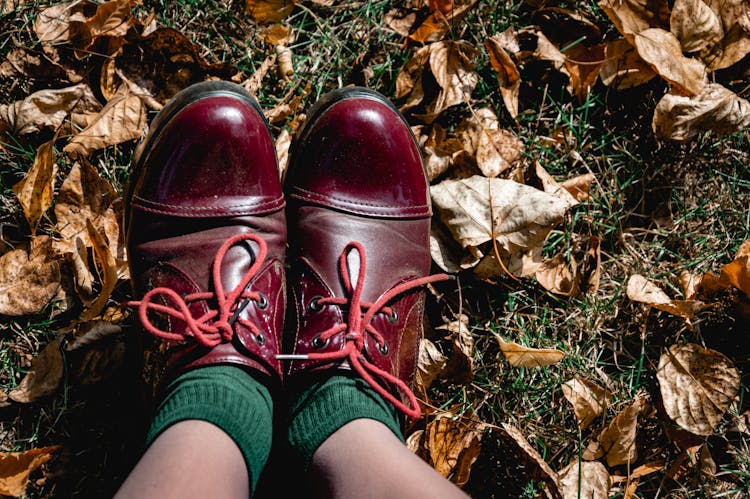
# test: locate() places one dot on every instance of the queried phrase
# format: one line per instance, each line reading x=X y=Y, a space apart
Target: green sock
x=229 y=398
x=321 y=405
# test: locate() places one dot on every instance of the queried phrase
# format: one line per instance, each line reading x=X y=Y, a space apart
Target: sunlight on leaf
x=588 y=399
x=35 y=190
x=521 y=356
x=453 y=446
x=28 y=281
x=15 y=468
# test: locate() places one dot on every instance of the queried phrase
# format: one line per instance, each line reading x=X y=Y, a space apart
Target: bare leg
x=190 y=459
x=365 y=459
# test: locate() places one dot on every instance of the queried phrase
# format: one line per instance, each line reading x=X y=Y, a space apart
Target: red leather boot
x=359 y=220
x=206 y=236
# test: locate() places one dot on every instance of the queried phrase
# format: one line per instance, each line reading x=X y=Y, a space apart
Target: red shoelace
x=358 y=325
x=215 y=326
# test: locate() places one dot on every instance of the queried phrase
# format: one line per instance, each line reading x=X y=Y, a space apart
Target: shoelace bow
x=215 y=326
x=358 y=325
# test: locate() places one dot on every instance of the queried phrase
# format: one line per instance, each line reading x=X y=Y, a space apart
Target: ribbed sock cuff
x=229 y=398
x=320 y=406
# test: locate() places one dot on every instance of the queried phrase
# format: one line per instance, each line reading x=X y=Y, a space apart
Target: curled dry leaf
x=478 y=209
x=268 y=11
x=278 y=34
x=44 y=377
x=494 y=149
x=715 y=109
x=429 y=365
x=507 y=73
x=462 y=361
x=558 y=276
x=623 y=67
x=121 y=120
x=50 y=109
x=35 y=190
x=453 y=446
x=532 y=456
x=695 y=25
x=583 y=65
x=446 y=252
x=440 y=22
x=282 y=143
x=588 y=479
x=551 y=186
x=697 y=386
x=15 y=468
x=735 y=274
x=440 y=149
x=630 y=17
x=642 y=290
x=617 y=441
x=521 y=356
x=588 y=399
x=579 y=187
x=662 y=51
x=28 y=281
x=401 y=20
x=107 y=272
x=284 y=61
x=415 y=443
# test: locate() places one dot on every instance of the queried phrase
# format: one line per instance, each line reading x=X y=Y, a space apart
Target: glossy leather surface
x=207 y=171
x=356 y=174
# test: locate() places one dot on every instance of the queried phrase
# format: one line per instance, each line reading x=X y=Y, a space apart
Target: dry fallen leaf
x=531 y=455
x=617 y=441
x=44 y=377
x=588 y=479
x=282 y=143
x=278 y=34
x=715 y=108
x=623 y=67
x=630 y=17
x=96 y=351
x=583 y=65
x=429 y=365
x=15 y=468
x=494 y=149
x=63 y=23
x=28 y=281
x=453 y=446
x=589 y=400
x=35 y=190
x=478 y=209
x=642 y=290
x=439 y=149
x=269 y=11
x=461 y=364
x=50 y=109
x=521 y=356
x=440 y=22
x=579 y=187
x=662 y=51
x=695 y=25
x=735 y=274
x=107 y=272
x=508 y=76
x=551 y=186
x=697 y=386
x=558 y=276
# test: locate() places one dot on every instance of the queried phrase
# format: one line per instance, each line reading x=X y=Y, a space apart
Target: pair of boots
x=207 y=226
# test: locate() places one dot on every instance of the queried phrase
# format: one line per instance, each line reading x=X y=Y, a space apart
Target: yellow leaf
x=268 y=11
x=15 y=468
x=521 y=356
x=617 y=441
x=35 y=190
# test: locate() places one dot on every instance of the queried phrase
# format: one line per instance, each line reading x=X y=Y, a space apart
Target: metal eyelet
x=317 y=342
x=315 y=305
x=262 y=303
x=393 y=316
x=383 y=349
x=260 y=339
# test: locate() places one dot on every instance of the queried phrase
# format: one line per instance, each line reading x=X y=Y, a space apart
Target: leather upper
x=207 y=171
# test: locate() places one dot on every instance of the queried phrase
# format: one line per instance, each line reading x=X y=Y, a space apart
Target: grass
x=658 y=209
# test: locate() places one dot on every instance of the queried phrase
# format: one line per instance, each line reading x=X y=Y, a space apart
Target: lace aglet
x=292 y=357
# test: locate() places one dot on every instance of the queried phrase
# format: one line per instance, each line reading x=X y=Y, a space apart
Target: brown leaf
x=662 y=51
x=477 y=209
x=462 y=360
x=642 y=290
x=617 y=441
x=531 y=455
x=400 y=20
x=415 y=443
x=558 y=276
x=583 y=65
x=521 y=356
x=623 y=67
x=735 y=274
x=733 y=48
x=697 y=386
x=255 y=81
x=268 y=11
x=50 y=109
x=695 y=25
x=35 y=190
x=579 y=187
x=282 y=143
x=44 y=377
x=507 y=73
x=551 y=186
x=439 y=149
x=630 y=17
x=107 y=272
x=429 y=365
x=121 y=120
x=453 y=445
x=445 y=251
x=28 y=281
x=715 y=109
x=495 y=149
x=112 y=18
x=588 y=399
x=15 y=468
x=278 y=34
x=440 y=22
x=588 y=479
x=96 y=351
x=62 y=23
